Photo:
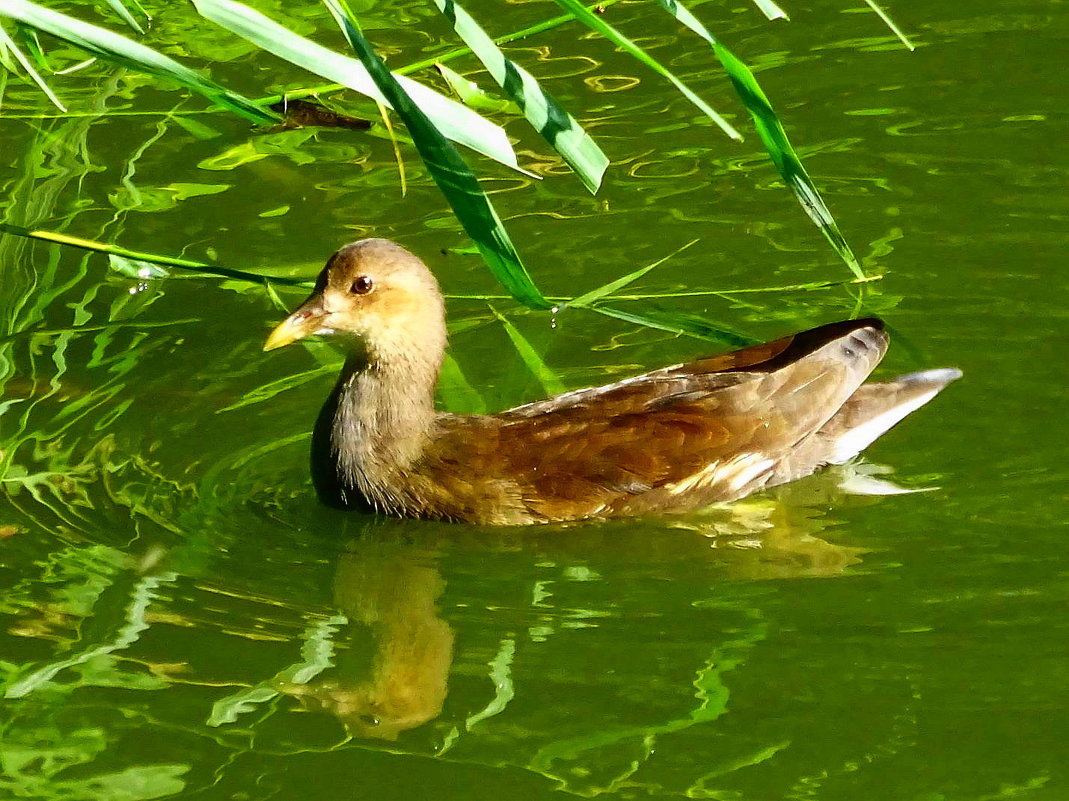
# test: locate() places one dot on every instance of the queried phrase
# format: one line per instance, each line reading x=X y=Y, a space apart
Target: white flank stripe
x=735 y=475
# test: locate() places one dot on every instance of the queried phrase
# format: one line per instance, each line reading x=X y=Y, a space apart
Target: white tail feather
x=900 y=397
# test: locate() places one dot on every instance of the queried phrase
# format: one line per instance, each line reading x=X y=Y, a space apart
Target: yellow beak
x=307 y=320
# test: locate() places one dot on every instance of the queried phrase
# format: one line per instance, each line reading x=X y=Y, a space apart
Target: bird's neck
x=383 y=418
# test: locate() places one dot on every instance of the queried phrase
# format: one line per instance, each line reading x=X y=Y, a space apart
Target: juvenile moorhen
x=671 y=440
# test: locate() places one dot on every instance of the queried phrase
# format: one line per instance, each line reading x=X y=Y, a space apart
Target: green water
x=181 y=619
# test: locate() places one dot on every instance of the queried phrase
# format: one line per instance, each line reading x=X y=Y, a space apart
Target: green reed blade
x=120 y=9
x=271 y=389
x=770 y=9
x=152 y=258
x=454 y=120
x=470 y=204
x=543 y=373
x=890 y=23
x=114 y=47
x=596 y=23
x=449 y=55
x=588 y=298
x=545 y=115
x=455 y=391
x=774 y=137
x=473 y=96
x=7 y=44
x=678 y=323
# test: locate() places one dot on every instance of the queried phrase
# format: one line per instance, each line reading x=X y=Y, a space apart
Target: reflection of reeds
x=46 y=453
x=433 y=120
x=68 y=365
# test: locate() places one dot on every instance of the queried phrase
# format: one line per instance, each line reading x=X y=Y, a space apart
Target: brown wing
x=672 y=439
x=722 y=369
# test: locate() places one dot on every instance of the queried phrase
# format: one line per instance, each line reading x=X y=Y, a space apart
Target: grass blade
x=584 y=300
x=474 y=97
x=456 y=392
x=547 y=379
x=114 y=47
x=545 y=115
x=470 y=204
x=508 y=38
x=402 y=176
x=890 y=23
x=770 y=9
x=593 y=21
x=678 y=323
x=459 y=52
x=771 y=132
x=588 y=298
x=266 y=392
x=5 y=53
x=7 y=44
x=151 y=258
x=454 y=120
x=732 y=294
x=120 y=9
x=132 y=268
x=32 y=43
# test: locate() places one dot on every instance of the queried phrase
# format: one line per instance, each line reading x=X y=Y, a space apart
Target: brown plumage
x=671 y=440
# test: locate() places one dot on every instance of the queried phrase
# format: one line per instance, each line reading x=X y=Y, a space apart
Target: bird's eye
x=362 y=285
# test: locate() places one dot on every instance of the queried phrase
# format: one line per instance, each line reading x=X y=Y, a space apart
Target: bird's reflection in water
x=392 y=589
x=389 y=584
x=780 y=528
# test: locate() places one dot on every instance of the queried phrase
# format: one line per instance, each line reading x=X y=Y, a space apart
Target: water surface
x=180 y=618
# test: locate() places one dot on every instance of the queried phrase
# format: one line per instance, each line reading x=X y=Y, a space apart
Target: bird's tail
x=874 y=408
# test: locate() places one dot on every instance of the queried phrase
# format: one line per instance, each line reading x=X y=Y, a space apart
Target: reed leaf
x=5 y=55
x=470 y=204
x=890 y=23
x=134 y=268
x=770 y=9
x=588 y=298
x=8 y=46
x=151 y=258
x=119 y=8
x=596 y=23
x=268 y=391
x=440 y=58
x=808 y=286
x=32 y=42
x=115 y=47
x=473 y=96
x=450 y=117
x=678 y=323
x=772 y=134
x=543 y=373
x=541 y=110
x=456 y=392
